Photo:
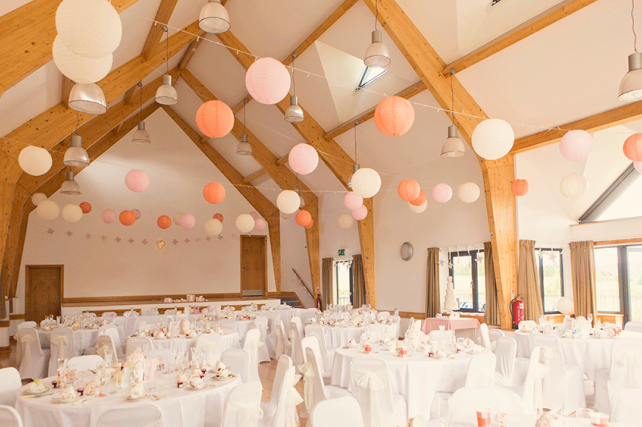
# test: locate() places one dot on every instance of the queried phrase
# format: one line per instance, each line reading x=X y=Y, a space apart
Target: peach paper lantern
x=360 y=213
x=136 y=213
x=187 y=221
x=310 y=224
x=108 y=216
x=420 y=199
x=394 y=116
x=352 y=200
x=633 y=147
x=259 y=224
x=218 y=216
x=214 y=192
x=86 y=207
x=136 y=180
x=215 y=119
x=267 y=80
x=127 y=218
x=303 y=218
x=576 y=145
x=254 y=215
x=519 y=187
x=303 y=159
x=442 y=193
x=164 y=222
x=408 y=190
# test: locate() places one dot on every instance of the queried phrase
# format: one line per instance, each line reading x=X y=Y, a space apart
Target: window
x=344 y=282
x=607 y=279
x=551 y=277
x=618 y=280
x=370 y=75
x=467 y=271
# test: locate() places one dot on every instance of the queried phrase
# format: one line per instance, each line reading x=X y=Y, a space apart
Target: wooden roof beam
x=283 y=160
x=163 y=14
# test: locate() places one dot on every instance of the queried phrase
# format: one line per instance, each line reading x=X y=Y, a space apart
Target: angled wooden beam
x=65 y=90
x=528 y=28
x=263 y=206
x=191 y=50
x=129 y=95
x=283 y=160
x=163 y=14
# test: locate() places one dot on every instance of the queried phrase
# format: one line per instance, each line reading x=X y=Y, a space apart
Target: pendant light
x=140 y=135
x=76 y=155
x=298 y=191
x=294 y=113
x=454 y=146
x=87 y=98
x=244 y=148
x=356 y=166
x=631 y=84
x=214 y=18
x=70 y=186
x=166 y=94
x=377 y=54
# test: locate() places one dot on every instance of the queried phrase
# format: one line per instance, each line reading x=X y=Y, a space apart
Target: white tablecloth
x=180 y=407
x=184 y=344
x=337 y=336
x=83 y=338
x=416 y=377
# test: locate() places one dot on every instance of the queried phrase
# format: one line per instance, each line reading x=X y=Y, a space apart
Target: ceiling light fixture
x=140 y=135
x=294 y=113
x=631 y=84
x=166 y=94
x=356 y=166
x=454 y=146
x=244 y=148
x=87 y=98
x=70 y=186
x=377 y=54
x=298 y=191
x=76 y=155
x=214 y=18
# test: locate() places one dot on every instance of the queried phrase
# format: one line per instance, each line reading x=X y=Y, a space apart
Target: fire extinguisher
x=318 y=302
x=517 y=310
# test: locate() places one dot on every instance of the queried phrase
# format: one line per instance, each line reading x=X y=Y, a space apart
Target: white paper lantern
x=89 y=28
x=80 y=69
x=493 y=139
x=177 y=218
x=345 y=221
x=366 y=182
x=35 y=161
x=574 y=186
x=418 y=209
x=38 y=198
x=468 y=192
x=288 y=202
x=213 y=227
x=245 y=223
x=285 y=216
x=565 y=305
x=72 y=213
x=48 y=210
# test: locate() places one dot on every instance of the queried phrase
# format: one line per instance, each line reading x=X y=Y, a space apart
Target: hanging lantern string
x=635 y=36
x=376 y=13
x=166 y=48
x=140 y=89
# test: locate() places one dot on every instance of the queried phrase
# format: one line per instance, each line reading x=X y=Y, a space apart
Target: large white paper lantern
x=80 y=69
x=576 y=145
x=574 y=186
x=213 y=227
x=48 y=210
x=418 y=209
x=366 y=182
x=38 y=198
x=89 y=28
x=345 y=221
x=245 y=223
x=493 y=139
x=35 y=161
x=288 y=201
x=72 y=213
x=177 y=218
x=468 y=192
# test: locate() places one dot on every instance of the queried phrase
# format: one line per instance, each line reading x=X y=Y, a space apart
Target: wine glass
x=444 y=410
x=589 y=317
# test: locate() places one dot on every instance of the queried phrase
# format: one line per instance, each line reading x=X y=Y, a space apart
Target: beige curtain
x=491 y=316
x=358 y=282
x=583 y=275
x=326 y=281
x=432 y=283
x=528 y=280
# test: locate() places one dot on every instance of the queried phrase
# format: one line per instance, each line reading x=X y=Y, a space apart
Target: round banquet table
x=184 y=344
x=417 y=378
x=83 y=338
x=180 y=407
x=339 y=336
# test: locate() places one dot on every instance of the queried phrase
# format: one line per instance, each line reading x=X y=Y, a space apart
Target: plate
x=133 y=399
x=32 y=393
x=197 y=389
x=63 y=401
x=229 y=377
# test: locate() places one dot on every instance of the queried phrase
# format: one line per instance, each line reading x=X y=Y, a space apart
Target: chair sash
x=61 y=341
x=291 y=414
x=307 y=370
x=101 y=348
x=26 y=341
x=374 y=382
x=247 y=415
x=254 y=351
x=210 y=349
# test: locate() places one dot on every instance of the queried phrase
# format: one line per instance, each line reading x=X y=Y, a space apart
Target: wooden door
x=43 y=291
x=254 y=263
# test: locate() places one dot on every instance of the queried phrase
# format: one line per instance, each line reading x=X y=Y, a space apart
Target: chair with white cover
x=112 y=331
x=238 y=360
x=370 y=383
x=251 y=345
x=467 y=400
x=35 y=359
x=315 y=391
x=311 y=342
x=9 y=417
x=626 y=407
x=483 y=329
x=625 y=372
x=418 y=421
x=85 y=363
x=327 y=355
x=228 y=325
x=261 y=324
x=28 y=324
x=284 y=363
x=132 y=416
x=481 y=370
x=144 y=344
x=633 y=326
x=171 y=312
x=210 y=345
x=494 y=334
x=340 y=412
x=376 y=332
x=298 y=324
x=296 y=350
x=109 y=315
x=106 y=342
x=282 y=345
x=284 y=413
x=506 y=351
x=383 y=315
x=527 y=398
x=243 y=406
x=61 y=345
x=563 y=387
x=9 y=383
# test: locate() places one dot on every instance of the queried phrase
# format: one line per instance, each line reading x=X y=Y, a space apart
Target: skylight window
x=621 y=200
x=370 y=75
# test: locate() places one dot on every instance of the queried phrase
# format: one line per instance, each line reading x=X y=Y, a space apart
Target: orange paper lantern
x=408 y=190
x=303 y=218
x=310 y=224
x=519 y=187
x=420 y=199
x=127 y=218
x=394 y=116
x=215 y=119
x=218 y=216
x=214 y=192
x=633 y=147
x=164 y=222
x=86 y=207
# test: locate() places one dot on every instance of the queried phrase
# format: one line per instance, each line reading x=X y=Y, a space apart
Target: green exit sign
x=342 y=252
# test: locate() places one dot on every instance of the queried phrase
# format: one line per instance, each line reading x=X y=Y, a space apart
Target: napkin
x=68 y=393
x=137 y=391
x=468 y=343
x=37 y=387
x=352 y=343
x=478 y=348
x=195 y=381
x=219 y=366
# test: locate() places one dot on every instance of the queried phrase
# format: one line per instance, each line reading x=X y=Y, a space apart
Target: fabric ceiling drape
x=358 y=282
x=491 y=316
x=432 y=283
x=528 y=280
x=583 y=275
x=326 y=281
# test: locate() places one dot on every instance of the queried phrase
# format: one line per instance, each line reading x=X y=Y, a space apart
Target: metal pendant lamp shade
x=244 y=148
x=76 y=155
x=166 y=94
x=377 y=54
x=87 y=98
x=302 y=202
x=355 y=168
x=454 y=146
x=141 y=136
x=631 y=84
x=214 y=18
x=294 y=113
x=70 y=186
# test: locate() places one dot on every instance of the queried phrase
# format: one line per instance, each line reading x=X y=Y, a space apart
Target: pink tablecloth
x=433 y=323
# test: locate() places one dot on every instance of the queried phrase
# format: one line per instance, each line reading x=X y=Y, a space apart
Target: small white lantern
x=345 y=221
x=493 y=139
x=177 y=218
x=72 y=213
x=48 y=210
x=565 y=305
x=468 y=192
x=288 y=202
x=574 y=186
x=35 y=161
x=80 y=69
x=418 y=209
x=213 y=227
x=245 y=223
x=38 y=198
x=366 y=182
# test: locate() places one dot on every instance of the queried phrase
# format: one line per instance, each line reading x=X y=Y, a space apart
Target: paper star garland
x=118 y=239
x=87 y=236
x=186 y=241
x=220 y=237
x=145 y=242
x=198 y=239
x=103 y=238
x=69 y=233
x=441 y=262
x=50 y=231
x=175 y=242
x=208 y=238
x=131 y=240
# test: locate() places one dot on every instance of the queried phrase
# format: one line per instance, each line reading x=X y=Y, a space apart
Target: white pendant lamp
x=166 y=94
x=454 y=146
x=214 y=18
x=302 y=202
x=631 y=84
x=70 y=186
x=87 y=98
x=76 y=155
x=377 y=54
x=141 y=136
x=244 y=148
x=294 y=113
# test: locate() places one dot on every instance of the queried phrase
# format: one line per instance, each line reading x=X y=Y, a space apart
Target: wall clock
x=406 y=251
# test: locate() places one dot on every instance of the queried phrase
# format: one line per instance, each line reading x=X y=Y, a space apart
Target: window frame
x=623 y=279
x=336 y=274
x=540 y=257
x=473 y=272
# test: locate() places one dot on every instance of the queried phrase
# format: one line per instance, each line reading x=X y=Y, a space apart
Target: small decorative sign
x=342 y=252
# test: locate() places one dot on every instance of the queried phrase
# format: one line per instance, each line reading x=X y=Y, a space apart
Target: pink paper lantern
x=576 y=145
x=303 y=159
x=259 y=224
x=394 y=116
x=352 y=200
x=633 y=147
x=187 y=221
x=136 y=180
x=360 y=213
x=267 y=80
x=408 y=190
x=108 y=216
x=442 y=193
x=254 y=215
x=215 y=119
x=136 y=213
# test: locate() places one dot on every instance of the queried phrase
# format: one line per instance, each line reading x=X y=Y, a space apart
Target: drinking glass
x=589 y=317
x=444 y=410
x=583 y=416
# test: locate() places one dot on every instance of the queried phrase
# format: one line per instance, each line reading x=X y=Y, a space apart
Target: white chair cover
x=416 y=325
x=243 y=406
x=9 y=417
x=61 y=345
x=327 y=355
x=210 y=345
x=298 y=325
x=261 y=324
x=466 y=401
x=483 y=328
x=418 y=421
x=35 y=359
x=144 y=344
x=481 y=370
x=296 y=337
x=505 y=351
x=281 y=410
x=29 y=324
x=112 y=331
x=340 y=412
x=171 y=312
x=383 y=315
x=283 y=345
x=625 y=372
x=269 y=408
x=626 y=407
x=315 y=390
x=494 y=334
x=251 y=345
x=376 y=332
x=633 y=326
x=9 y=384
x=527 y=399
x=104 y=343
x=312 y=343
x=132 y=416
x=109 y=315
x=238 y=360
x=85 y=363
